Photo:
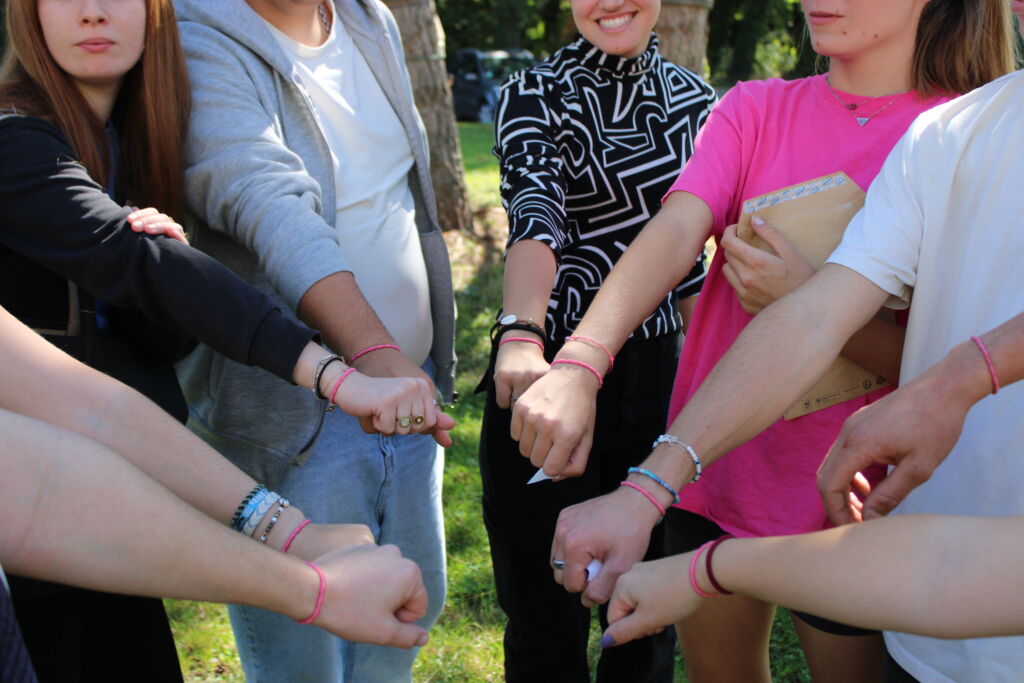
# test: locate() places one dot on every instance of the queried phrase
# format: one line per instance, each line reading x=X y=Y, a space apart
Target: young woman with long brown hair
x=94 y=104
x=889 y=61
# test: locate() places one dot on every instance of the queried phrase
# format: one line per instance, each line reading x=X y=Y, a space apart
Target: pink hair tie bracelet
x=371 y=349
x=581 y=364
x=319 y=596
x=295 y=532
x=989 y=363
x=528 y=340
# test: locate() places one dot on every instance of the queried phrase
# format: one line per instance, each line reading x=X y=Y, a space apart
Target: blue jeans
x=391 y=484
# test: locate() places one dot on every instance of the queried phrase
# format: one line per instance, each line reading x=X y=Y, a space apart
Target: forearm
x=778 y=356
x=336 y=307
x=878 y=346
x=528 y=280
x=656 y=260
x=81 y=514
x=931 y=568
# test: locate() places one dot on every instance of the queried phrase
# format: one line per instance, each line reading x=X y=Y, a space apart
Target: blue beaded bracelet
x=657 y=480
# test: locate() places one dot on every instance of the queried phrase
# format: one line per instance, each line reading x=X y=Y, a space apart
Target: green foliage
x=536 y=25
x=758 y=39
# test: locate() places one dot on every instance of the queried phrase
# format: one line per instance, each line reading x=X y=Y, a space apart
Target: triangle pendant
x=863 y=120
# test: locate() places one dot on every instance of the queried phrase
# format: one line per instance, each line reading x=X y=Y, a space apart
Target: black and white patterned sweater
x=588 y=144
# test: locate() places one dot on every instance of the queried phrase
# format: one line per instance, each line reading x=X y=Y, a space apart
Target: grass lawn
x=465 y=645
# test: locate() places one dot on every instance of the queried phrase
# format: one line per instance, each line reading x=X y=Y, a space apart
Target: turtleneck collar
x=598 y=60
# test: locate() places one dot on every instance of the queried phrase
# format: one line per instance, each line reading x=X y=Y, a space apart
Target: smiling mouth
x=823 y=15
x=615 y=22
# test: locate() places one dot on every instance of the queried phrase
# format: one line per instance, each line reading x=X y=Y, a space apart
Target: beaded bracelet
x=594 y=342
x=707 y=563
x=282 y=503
x=668 y=438
x=648 y=495
x=237 y=520
x=257 y=517
x=989 y=363
x=295 y=532
x=693 y=572
x=319 y=596
x=370 y=349
x=528 y=340
x=318 y=373
x=657 y=480
x=337 y=385
x=585 y=366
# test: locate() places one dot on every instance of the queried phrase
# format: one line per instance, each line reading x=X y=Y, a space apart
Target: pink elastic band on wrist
x=295 y=532
x=693 y=572
x=319 y=596
x=989 y=363
x=588 y=340
x=538 y=342
x=337 y=385
x=371 y=349
x=585 y=366
x=647 y=494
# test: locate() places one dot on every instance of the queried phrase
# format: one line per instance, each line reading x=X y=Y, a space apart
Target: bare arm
x=528 y=280
x=915 y=428
x=553 y=421
x=82 y=515
x=935 y=567
x=796 y=338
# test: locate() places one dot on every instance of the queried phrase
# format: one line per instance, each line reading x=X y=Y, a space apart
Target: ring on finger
x=419 y=419
x=403 y=421
x=514 y=398
x=557 y=565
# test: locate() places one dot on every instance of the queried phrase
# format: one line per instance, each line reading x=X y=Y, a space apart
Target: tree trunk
x=423 y=38
x=683 y=32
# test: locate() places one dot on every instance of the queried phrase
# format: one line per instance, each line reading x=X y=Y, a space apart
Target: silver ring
x=557 y=564
x=514 y=398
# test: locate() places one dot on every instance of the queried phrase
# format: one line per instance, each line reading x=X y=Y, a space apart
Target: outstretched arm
x=779 y=355
x=82 y=515
x=553 y=421
x=934 y=567
x=915 y=428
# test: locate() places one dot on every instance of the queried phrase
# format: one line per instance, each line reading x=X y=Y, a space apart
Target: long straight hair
x=151 y=111
x=962 y=44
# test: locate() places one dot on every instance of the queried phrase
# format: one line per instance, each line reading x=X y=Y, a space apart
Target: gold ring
x=403 y=421
x=419 y=419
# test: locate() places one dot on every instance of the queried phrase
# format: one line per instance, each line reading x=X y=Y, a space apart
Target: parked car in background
x=477 y=76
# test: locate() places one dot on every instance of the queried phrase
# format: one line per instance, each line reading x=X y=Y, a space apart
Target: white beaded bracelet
x=668 y=438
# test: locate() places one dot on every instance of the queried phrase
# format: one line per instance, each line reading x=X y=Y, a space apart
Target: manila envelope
x=812 y=216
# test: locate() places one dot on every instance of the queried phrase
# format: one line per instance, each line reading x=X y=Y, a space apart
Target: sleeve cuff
x=278 y=343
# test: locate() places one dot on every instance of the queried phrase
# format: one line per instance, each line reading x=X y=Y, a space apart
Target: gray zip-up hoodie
x=260 y=186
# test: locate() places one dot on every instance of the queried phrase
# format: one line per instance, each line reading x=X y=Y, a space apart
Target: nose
x=92 y=14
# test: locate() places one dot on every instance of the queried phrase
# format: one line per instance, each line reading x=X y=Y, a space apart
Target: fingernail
x=757 y=220
x=424 y=639
x=136 y=224
x=606 y=641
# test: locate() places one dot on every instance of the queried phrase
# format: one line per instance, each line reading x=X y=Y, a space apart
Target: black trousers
x=547 y=631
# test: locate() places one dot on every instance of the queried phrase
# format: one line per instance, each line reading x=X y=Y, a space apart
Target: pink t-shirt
x=763 y=136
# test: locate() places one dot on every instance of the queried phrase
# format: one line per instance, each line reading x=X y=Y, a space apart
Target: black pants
x=81 y=636
x=548 y=628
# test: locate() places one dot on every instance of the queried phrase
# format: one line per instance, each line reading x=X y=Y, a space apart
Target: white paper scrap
x=593 y=569
x=540 y=476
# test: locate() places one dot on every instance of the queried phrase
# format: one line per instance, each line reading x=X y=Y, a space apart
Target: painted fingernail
x=607 y=641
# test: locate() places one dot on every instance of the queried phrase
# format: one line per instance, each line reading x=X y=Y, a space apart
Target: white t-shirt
x=944 y=221
x=376 y=219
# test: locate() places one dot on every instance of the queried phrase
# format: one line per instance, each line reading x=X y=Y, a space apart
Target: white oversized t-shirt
x=944 y=223
x=376 y=220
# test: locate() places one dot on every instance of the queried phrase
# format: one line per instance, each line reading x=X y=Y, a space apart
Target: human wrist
x=289 y=520
x=660 y=493
x=962 y=375
x=637 y=508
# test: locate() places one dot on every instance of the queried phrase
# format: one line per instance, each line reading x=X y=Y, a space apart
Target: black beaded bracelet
x=281 y=505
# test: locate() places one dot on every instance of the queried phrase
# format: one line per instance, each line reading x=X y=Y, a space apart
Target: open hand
x=152 y=222
x=757 y=276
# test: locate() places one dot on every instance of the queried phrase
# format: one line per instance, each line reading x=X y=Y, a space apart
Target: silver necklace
x=324 y=19
x=853 y=106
